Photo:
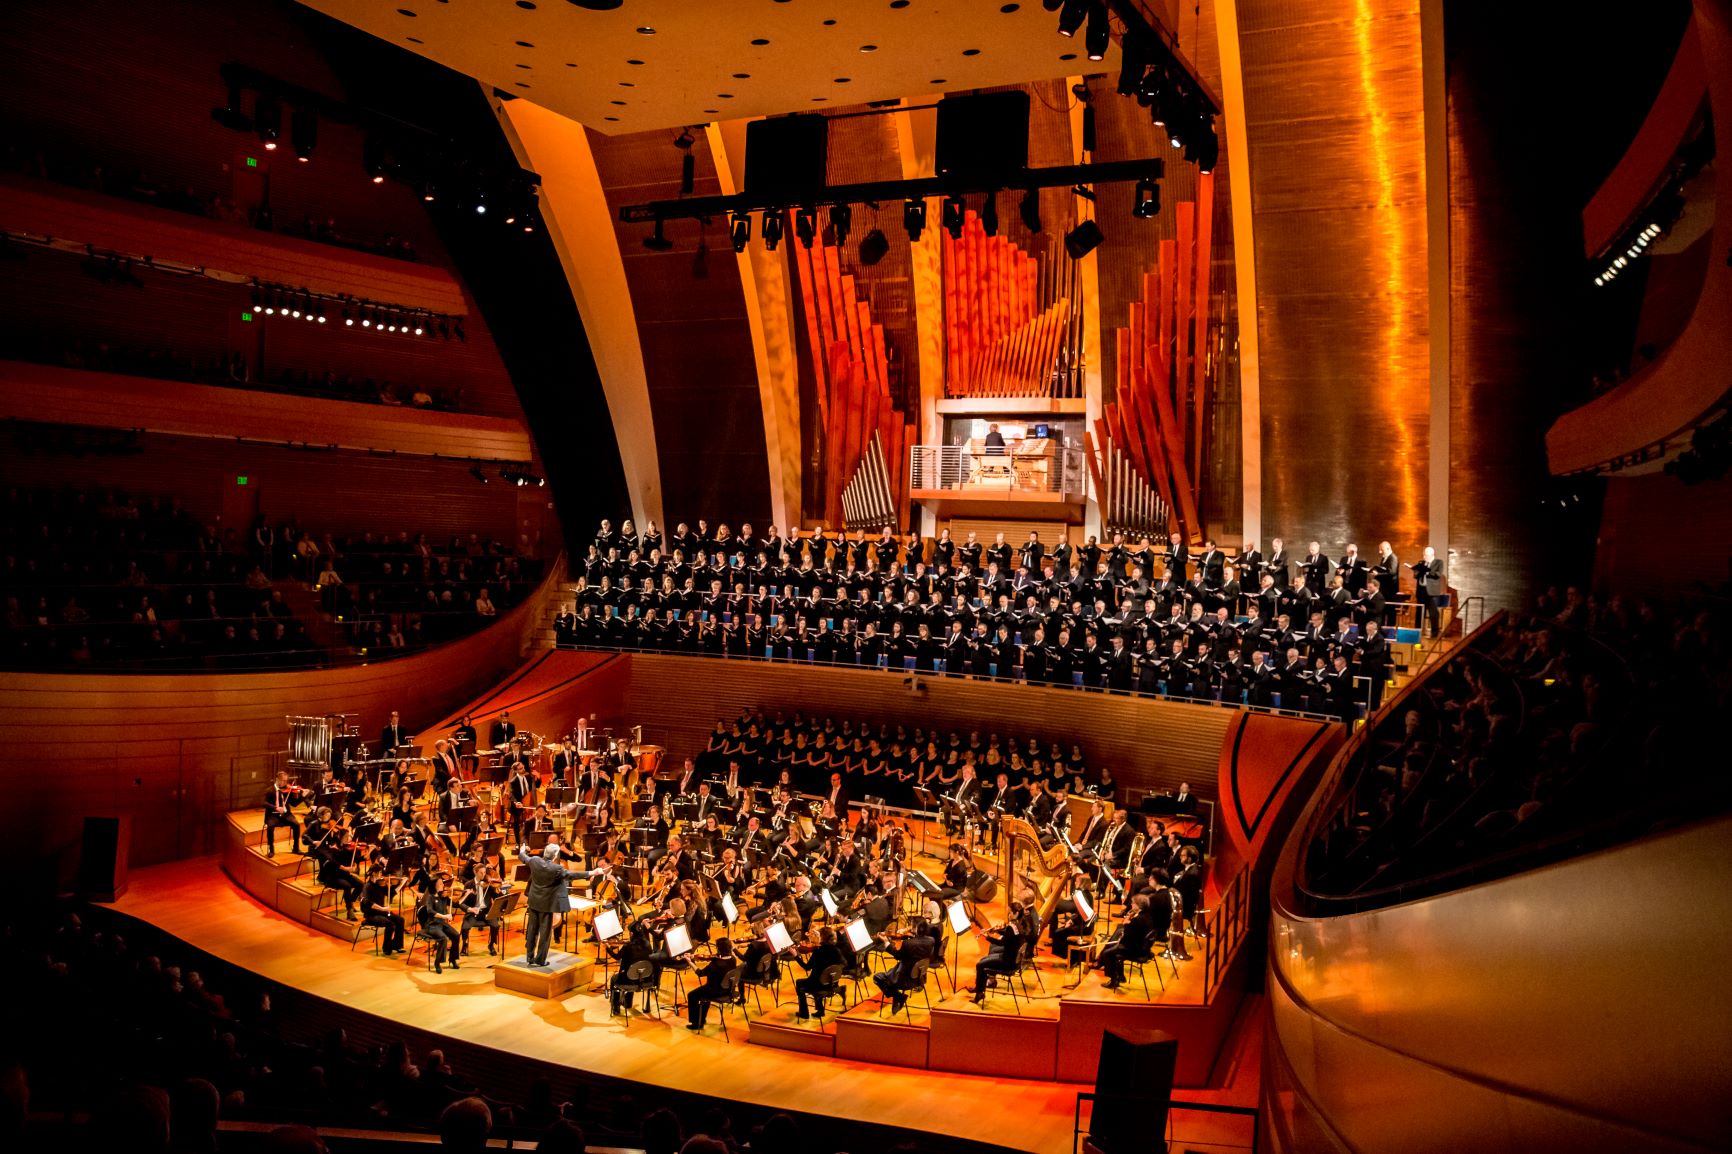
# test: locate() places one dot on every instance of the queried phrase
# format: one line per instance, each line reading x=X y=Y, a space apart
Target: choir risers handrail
x=1057 y=470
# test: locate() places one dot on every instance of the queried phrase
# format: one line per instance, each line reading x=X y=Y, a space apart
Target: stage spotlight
x=1088 y=129
x=428 y=193
x=1134 y=57
x=1151 y=91
x=1029 y=210
x=1208 y=150
x=270 y=306
x=989 y=214
x=874 y=246
x=348 y=318
x=656 y=242
x=953 y=210
x=805 y=225
x=841 y=223
x=295 y=309
x=481 y=204
x=1083 y=239
x=457 y=331
x=373 y=159
x=268 y=121
x=1071 y=16
x=914 y=218
x=772 y=229
x=420 y=329
x=304 y=133
x=230 y=114
x=1148 y=202
x=366 y=318
x=740 y=231
x=1100 y=31
x=688 y=173
x=475 y=471
x=258 y=299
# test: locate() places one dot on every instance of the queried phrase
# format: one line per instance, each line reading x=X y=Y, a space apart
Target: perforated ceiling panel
x=661 y=63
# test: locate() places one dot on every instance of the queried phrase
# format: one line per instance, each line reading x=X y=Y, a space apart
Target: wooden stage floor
x=197 y=902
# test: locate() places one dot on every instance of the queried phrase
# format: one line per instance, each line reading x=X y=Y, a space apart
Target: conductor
x=549 y=893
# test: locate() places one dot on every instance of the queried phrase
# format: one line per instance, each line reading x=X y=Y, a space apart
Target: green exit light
x=241 y=479
x=252 y=162
x=246 y=316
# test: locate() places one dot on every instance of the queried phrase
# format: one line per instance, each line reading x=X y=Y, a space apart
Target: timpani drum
x=649 y=759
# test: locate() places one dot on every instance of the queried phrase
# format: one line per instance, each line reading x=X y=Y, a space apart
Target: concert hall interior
x=802 y=576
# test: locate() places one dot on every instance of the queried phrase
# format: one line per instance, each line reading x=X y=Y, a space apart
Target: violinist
x=730 y=876
x=659 y=842
x=815 y=961
x=709 y=988
x=376 y=911
x=404 y=809
x=897 y=982
x=477 y=901
x=637 y=948
x=329 y=847
x=1004 y=954
x=673 y=867
x=278 y=801
x=433 y=915
x=806 y=903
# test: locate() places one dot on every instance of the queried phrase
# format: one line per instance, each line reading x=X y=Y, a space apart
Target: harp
x=1044 y=871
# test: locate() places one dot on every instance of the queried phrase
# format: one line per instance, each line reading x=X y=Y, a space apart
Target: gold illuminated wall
x=1335 y=127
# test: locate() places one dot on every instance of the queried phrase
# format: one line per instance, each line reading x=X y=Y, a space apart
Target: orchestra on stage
x=854 y=856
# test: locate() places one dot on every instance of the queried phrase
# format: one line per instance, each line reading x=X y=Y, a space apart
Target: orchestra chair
x=641 y=978
x=1158 y=952
x=423 y=939
x=1137 y=964
x=733 y=995
x=356 y=940
x=916 y=982
x=765 y=975
x=1025 y=965
x=829 y=986
x=860 y=976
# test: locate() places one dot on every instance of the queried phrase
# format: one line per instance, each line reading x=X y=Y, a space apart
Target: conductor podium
x=562 y=974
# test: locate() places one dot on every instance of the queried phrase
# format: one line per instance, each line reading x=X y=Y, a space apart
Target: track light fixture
x=740 y=231
x=1100 y=31
x=914 y=218
x=304 y=133
x=476 y=472
x=656 y=242
x=1148 y=199
x=772 y=229
x=954 y=208
x=841 y=222
x=1071 y=16
x=1083 y=239
x=268 y=121
x=806 y=225
x=1029 y=210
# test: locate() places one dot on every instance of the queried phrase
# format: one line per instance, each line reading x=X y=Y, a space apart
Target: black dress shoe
x=437 y=968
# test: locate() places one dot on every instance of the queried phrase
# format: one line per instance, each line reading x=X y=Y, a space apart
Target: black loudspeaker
x=785 y=157
x=102 y=858
x=1133 y=1084
x=983 y=136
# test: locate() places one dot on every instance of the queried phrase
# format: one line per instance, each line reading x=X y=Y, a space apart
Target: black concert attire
x=376 y=911
x=709 y=988
x=821 y=959
x=1134 y=940
x=1000 y=959
x=433 y=925
x=475 y=905
x=897 y=980
x=278 y=799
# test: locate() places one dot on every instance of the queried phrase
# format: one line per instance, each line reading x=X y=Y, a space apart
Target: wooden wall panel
x=338 y=492
x=111 y=400
x=1148 y=744
x=160 y=749
x=696 y=339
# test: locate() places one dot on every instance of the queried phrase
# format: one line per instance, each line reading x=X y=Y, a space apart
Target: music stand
x=927 y=804
x=607 y=928
x=957 y=914
x=729 y=910
x=859 y=937
x=829 y=903
x=780 y=941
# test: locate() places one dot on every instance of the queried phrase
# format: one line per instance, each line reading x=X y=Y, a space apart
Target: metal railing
x=1225 y=926
x=1061 y=469
x=1141 y=1103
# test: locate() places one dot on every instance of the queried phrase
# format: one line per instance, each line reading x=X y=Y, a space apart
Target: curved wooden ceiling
x=711 y=60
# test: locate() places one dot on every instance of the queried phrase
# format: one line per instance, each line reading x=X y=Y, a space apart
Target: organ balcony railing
x=1042 y=470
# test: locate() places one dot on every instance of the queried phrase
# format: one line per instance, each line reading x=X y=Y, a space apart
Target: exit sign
x=252 y=162
x=241 y=479
x=246 y=316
